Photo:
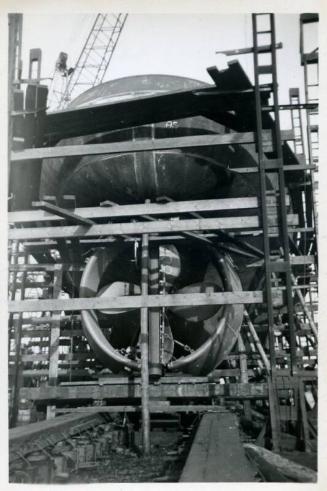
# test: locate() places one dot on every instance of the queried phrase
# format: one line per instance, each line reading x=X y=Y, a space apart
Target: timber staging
x=163 y=277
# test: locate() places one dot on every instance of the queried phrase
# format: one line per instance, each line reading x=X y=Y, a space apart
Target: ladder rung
x=264 y=32
x=264 y=69
x=272 y=164
x=268 y=48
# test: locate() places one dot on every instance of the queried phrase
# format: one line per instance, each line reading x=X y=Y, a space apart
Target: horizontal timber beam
x=294 y=260
x=62 y=213
x=71 y=423
x=39 y=246
x=137 y=301
x=144 y=145
x=41 y=268
x=244 y=51
x=160 y=226
x=286 y=168
x=76 y=373
x=141 y=209
x=194 y=390
x=154 y=408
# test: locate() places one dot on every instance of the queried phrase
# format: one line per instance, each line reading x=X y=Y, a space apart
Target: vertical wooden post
x=18 y=341
x=154 y=314
x=54 y=338
x=145 y=346
x=274 y=411
x=14 y=74
x=304 y=416
x=244 y=374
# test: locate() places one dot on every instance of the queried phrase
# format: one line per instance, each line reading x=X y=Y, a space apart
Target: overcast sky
x=177 y=44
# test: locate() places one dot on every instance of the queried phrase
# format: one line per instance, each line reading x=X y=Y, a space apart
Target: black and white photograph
x=162 y=246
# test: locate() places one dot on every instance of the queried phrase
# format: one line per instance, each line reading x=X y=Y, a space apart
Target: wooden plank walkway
x=217 y=453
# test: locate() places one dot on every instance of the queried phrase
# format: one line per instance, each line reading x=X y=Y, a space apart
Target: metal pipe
x=254 y=350
x=144 y=346
x=243 y=360
x=257 y=342
x=305 y=309
x=244 y=374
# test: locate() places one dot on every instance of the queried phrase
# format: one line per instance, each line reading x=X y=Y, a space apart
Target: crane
x=92 y=63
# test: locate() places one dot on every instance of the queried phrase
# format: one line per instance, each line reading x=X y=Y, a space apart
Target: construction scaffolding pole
x=145 y=346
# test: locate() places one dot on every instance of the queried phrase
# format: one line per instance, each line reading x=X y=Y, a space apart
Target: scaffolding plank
x=133 y=228
x=59 y=424
x=160 y=226
x=62 y=213
x=62 y=372
x=244 y=51
x=137 y=301
x=38 y=246
x=286 y=168
x=294 y=261
x=292 y=107
x=188 y=390
x=41 y=267
x=62 y=358
x=217 y=453
x=144 y=145
x=141 y=209
x=184 y=408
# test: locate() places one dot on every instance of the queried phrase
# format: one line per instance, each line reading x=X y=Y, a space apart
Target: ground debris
x=164 y=463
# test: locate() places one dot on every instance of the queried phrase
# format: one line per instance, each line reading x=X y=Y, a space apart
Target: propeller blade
x=118 y=289
x=196 y=313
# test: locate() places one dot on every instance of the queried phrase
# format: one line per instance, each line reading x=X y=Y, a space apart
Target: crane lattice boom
x=92 y=63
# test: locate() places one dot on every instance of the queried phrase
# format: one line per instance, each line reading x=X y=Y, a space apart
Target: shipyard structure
x=163 y=266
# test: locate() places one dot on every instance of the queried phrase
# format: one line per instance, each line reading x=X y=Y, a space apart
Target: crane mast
x=92 y=63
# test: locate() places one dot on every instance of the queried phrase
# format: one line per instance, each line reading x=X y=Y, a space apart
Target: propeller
x=116 y=330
